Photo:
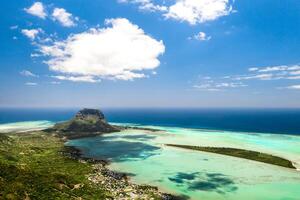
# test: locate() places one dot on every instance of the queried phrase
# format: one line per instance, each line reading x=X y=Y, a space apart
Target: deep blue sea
x=280 y=121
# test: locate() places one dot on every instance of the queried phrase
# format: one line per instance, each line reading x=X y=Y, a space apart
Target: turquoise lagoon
x=191 y=174
x=200 y=175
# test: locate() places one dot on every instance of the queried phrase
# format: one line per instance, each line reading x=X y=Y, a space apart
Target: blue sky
x=150 y=53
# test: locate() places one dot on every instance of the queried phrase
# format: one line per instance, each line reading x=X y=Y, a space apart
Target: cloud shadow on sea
x=210 y=182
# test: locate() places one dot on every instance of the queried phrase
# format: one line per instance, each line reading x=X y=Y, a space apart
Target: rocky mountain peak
x=86 y=123
x=87 y=113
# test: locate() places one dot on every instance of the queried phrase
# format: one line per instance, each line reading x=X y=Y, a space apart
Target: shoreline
x=74 y=172
x=100 y=169
x=102 y=176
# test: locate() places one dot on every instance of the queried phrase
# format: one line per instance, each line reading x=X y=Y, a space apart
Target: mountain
x=86 y=123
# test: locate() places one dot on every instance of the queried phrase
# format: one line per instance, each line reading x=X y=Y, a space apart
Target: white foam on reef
x=25 y=126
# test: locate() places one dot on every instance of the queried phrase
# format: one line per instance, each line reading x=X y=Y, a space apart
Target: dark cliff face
x=86 y=123
x=90 y=113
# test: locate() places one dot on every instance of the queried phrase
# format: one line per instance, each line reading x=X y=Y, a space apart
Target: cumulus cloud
x=201 y=36
x=191 y=11
x=63 y=17
x=31 y=33
x=89 y=79
x=28 y=73
x=121 y=50
x=198 y=11
x=37 y=9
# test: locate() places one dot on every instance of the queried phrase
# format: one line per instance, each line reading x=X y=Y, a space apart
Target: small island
x=86 y=123
x=241 y=153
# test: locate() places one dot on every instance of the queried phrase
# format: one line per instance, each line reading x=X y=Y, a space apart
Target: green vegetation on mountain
x=86 y=123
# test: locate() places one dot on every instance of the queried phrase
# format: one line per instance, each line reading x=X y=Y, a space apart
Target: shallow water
x=25 y=126
x=195 y=175
x=201 y=175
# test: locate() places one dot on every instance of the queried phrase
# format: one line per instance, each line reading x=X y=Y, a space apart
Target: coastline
x=102 y=170
x=76 y=176
x=121 y=180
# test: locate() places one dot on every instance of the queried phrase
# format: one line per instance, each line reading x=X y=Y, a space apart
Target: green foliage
x=32 y=167
x=241 y=153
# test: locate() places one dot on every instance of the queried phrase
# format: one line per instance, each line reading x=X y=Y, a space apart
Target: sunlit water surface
x=195 y=175
x=201 y=175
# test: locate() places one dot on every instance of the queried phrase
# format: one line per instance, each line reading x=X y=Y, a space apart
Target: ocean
x=192 y=174
x=278 y=121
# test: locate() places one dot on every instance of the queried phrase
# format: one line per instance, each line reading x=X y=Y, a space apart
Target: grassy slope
x=31 y=167
x=241 y=153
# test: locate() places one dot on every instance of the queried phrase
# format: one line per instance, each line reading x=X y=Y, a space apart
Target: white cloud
x=273 y=72
x=31 y=33
x=198 y=11
x=37 y=9
x=206 y=87
x=270 y=73
x=120 y=51
x=202 y=36
x=294 y=87
x=147 y=5
x=293 y=77
x=191 y=11
x=252 y=69
x=34 y=55
x=28 y=73
x=212 y=86
x=295 y=72
x=272 y=69
x=55 y=82
x=89 y=79
x=230 y=85
x=63 y=17
x=31 y=84
x=275 y=68
x=258 y=76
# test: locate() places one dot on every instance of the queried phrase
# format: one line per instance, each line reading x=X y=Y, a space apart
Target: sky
x=150 y=53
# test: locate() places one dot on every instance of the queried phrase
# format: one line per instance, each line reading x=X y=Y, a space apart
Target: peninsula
x=241 y=153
